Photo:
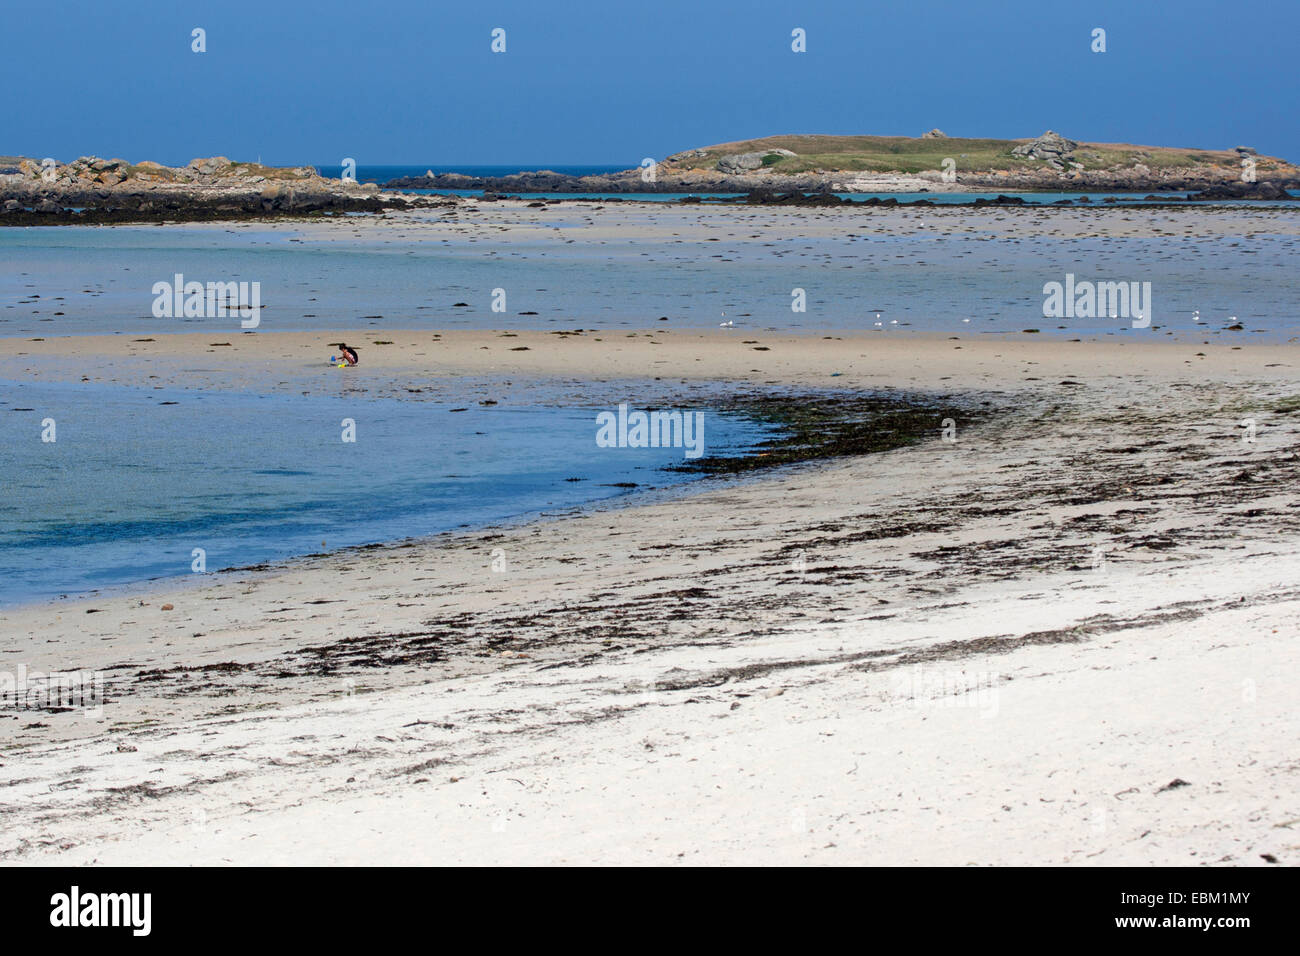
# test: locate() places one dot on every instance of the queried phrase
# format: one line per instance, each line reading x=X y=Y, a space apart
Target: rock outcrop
x=745 y=162
x=91 y=189
x=1268 y=191
x=1051 y=147
x=935 y=133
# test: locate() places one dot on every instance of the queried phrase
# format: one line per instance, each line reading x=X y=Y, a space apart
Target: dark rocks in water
x=66 y=204
x=1271 y=191
x=768 y=197
x=1063 y=202
x=150 y=208
x=814 y=199
x=1000 y=200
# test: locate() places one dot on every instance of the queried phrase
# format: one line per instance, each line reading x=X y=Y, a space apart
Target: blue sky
x=618 y=80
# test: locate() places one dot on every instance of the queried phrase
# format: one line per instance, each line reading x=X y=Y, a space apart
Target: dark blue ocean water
x=382 y=174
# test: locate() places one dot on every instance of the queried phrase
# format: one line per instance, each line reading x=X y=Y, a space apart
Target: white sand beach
x=1068 y=637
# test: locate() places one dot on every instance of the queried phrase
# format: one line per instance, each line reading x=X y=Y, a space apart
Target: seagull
x=1196 y=316
x=725 y=325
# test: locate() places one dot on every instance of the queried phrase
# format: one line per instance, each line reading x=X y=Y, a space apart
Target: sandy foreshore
x=397 y=360
x=1067 y=637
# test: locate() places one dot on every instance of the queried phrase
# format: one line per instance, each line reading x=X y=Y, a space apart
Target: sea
x=84 y=280
x=144 y=484
x=148 y=484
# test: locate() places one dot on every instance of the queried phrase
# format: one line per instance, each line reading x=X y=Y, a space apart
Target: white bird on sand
x=725 y=325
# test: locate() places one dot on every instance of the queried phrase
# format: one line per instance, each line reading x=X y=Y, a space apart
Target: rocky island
x=932 y=162
x=95 y=190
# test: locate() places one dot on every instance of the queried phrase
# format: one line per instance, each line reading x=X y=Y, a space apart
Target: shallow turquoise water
x=77 y=280
x=132 y=486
